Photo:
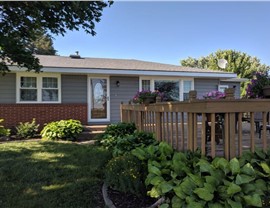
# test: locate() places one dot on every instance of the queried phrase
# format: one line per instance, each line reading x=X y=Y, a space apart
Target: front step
x=91 y=131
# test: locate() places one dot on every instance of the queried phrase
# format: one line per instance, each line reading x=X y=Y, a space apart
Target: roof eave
x=132 y=72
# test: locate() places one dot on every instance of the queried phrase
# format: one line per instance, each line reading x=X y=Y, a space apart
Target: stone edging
x=107 y=201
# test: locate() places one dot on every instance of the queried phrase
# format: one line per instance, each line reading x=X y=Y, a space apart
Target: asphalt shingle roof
x=119 y=64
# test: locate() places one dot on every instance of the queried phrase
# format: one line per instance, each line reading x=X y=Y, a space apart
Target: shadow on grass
x=51 y=174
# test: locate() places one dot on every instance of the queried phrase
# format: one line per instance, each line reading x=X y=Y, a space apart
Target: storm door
x=99 y=101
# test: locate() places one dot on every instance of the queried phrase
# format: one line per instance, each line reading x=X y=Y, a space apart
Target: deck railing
x=195 y=124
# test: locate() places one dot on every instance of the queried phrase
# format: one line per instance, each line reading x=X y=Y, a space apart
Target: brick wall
x=43 y=113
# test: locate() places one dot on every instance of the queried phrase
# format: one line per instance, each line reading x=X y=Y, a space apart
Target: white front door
x=99 y=99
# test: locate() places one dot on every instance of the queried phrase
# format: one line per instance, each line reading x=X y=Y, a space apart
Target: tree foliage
x=238 y=62
x=43 y=45
x=22 y=21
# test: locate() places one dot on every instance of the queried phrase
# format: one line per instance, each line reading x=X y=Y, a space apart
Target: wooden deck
x=184 y=124
x=219 y=147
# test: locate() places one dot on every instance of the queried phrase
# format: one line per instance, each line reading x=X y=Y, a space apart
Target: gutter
x=132 y=72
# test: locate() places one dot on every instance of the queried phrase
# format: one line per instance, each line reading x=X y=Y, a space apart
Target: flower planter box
x=266 y=91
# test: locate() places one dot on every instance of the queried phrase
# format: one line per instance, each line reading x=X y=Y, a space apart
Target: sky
x=170 y=31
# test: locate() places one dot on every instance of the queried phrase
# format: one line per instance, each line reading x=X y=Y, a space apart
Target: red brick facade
x=43 y=113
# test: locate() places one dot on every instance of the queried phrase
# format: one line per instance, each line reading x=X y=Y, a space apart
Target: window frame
x=180 y=79
x=222 y=87
x=39 y=79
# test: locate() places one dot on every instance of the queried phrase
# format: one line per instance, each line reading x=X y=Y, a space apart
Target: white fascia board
x=133 y=72
x=234 y=80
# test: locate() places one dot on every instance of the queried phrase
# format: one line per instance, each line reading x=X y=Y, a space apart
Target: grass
x=51 y=174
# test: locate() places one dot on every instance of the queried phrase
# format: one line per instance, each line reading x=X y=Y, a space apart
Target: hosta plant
x=64 y=130
x=27 y=130
x=3 y=131
x=190 y=180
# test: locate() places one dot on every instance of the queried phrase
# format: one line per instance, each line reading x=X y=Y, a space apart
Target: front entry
x=99 y=102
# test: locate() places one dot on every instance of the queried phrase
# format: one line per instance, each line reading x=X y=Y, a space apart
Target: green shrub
x=120 y=129
x=64 y=129
x=190 y=180
x=3 y=130
x=129 y=142
x=27 y=130
x=114 y=132
x=126 y=174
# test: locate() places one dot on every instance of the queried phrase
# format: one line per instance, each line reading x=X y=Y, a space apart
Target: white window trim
x=180 y=79
x=39 y=86
x=182 y=87
x=222 y=87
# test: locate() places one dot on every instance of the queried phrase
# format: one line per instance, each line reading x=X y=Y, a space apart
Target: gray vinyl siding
x=74 y=88
x=8 y=88
x=235 y=85
x=127 y=89
x=203 y=86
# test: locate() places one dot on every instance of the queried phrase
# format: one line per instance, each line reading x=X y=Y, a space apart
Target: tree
x=43 y=45
x=21 y=23
x=238 y=62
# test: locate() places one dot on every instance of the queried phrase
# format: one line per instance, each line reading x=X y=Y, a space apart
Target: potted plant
x=146 y=97
x=259 y=86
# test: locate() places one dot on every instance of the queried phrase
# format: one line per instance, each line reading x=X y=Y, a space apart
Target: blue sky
x=168 y=32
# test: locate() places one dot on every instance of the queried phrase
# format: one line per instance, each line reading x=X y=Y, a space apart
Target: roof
x=121 y=67
x=116 y=64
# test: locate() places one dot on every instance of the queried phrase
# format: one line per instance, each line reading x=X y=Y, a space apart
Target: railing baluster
x=171 y=136
x=232 y=134
x=203 y=134
x=252 y=132
x=213 y=135
x=176 y=131
x=177 y=123
x=195 y=131
x=264 y=123
x=167 y=127
x=226 y=138
x=182 y=131
x=240 y=135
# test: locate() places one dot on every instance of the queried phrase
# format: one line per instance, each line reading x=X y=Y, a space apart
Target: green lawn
x=51 y=174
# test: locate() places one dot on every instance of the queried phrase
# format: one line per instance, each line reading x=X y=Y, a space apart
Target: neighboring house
x=91 y=89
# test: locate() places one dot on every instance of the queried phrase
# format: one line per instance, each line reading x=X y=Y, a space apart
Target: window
x=145 y=84
x=222 y=88
x=169 y=88
x=187 y=87
x=49 y=89
x=28 y=89
x=38 y=88
x=174 y=89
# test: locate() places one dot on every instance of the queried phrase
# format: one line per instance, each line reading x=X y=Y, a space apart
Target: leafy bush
x=129 y=142
x=126 y=174
x=27 y=130
x=64 y=129
x=123 y=137
x=109 y=138
x=190 y=180
x=120 y=129
x=3 y=130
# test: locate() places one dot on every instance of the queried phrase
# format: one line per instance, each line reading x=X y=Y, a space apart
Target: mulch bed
x=122 y=200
